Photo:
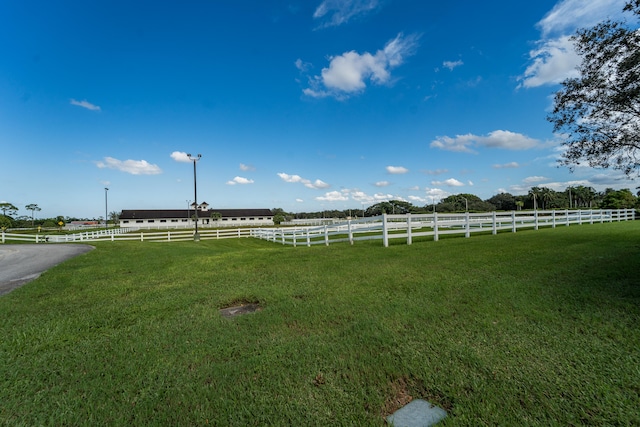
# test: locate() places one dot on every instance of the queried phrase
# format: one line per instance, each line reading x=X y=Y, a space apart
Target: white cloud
x=361 y=196
x=567 y=15
x=180 y=156
x=348 y=73
x=382 y=184
x=85 y=104
x=496 y=139
x=534 y=179
x=451 y=182
x=397 y=170
x=511 y=165
x=343 y=11
x=302 y=66
x=333 y=196
x=459 y=144
x=246 y=168
x=554 y=58
x=380 y=197
x=134 y=167
x=239 y=180
x=552 y=62
x=417 y=199
x=435 y=171
x=452 y=64
x=317 y=184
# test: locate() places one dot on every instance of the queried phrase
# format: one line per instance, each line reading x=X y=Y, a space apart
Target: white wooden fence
x=407 y=227
x=384 y=227
x=121 y=234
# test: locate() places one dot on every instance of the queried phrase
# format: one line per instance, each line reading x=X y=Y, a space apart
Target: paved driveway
x=20 y=264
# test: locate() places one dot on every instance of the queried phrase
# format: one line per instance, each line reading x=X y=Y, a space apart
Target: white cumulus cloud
x=333 y=196
x=317 y=184
x=239 y=180
x=397 y=170
x=451 y=182
x=134 y=167
x=180 y=156
x=497 y=139
x=554 y=59
x=349 y=73
x=534 y=179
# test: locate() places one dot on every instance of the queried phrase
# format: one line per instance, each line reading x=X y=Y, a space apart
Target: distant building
x=185 y=218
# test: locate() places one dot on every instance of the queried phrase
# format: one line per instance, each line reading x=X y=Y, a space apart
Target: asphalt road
x=20 y=264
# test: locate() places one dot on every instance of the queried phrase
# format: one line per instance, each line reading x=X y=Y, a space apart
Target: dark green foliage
x=599 y=112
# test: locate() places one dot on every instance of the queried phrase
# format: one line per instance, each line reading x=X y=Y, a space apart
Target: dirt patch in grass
x=403 y=390
x=399 y=396
x=238 y=308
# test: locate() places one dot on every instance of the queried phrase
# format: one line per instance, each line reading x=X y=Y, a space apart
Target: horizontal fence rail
x=409 y=226
x=385 y=227
x=131 y=234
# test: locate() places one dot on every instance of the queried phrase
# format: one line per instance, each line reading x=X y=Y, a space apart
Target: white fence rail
x=121 y=234
x=384 y=227
x=407 y=227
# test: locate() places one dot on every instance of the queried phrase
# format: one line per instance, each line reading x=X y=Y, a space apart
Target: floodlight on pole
x=196 y=236
x=106 y=221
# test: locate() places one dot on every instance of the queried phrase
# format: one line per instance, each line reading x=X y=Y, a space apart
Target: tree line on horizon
x=579 y=197
x=10 y=219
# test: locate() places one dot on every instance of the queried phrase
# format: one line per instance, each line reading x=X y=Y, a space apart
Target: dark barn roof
x=183 y=213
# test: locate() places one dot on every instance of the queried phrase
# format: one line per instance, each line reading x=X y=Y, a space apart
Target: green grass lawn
x=532 y=328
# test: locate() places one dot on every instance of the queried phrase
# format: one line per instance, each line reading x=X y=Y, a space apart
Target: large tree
x=598 y=113
x=8 y=207
x=32 y=207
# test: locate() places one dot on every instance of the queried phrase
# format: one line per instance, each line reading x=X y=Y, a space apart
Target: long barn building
x=185 y=218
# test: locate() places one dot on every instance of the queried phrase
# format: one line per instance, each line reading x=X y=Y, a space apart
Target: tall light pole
x=196 y=236
x=106 y=220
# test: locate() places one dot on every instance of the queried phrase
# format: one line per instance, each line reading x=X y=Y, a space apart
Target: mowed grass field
x=532 y=328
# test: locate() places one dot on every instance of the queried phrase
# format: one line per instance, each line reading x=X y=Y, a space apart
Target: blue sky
x=302 y=105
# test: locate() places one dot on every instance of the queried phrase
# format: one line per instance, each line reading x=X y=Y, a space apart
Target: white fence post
x=409 y=239
x=535 y=219
x=494 y=223
x=553 y=218
x=308 y=238
x=350 y=233
x=326 y=235
x=435 y=226
x=385 y=236
x=514 y=227
x=466 y=224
